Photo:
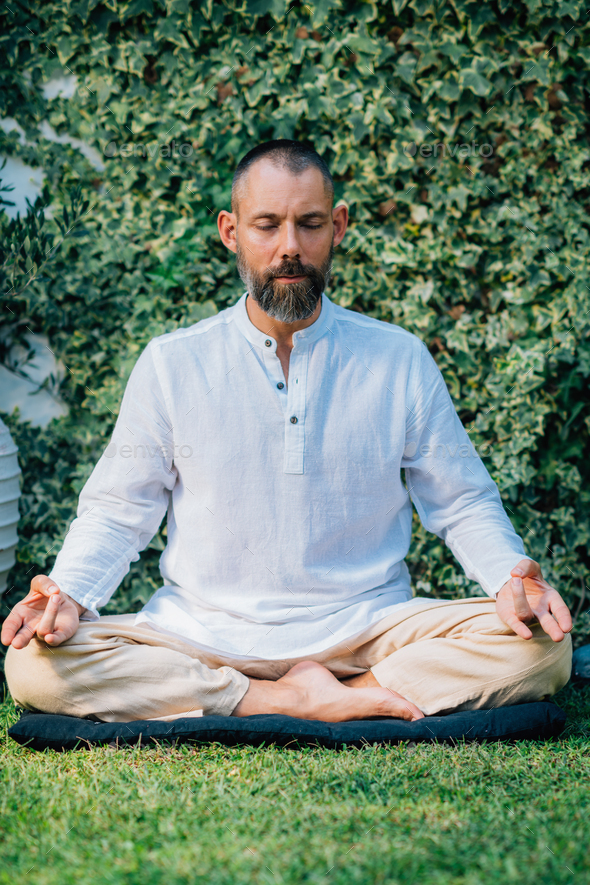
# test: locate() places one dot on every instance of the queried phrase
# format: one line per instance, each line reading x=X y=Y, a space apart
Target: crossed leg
x=458 y=655
x=116 y=672
x=426 y=659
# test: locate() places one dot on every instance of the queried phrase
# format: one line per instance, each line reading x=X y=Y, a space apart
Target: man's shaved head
x=296 y=156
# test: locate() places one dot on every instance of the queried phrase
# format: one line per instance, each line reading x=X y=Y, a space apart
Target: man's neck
x=281 y=332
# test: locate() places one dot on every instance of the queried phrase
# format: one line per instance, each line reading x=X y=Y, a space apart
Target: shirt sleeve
x=125 y=498
x=450 y=486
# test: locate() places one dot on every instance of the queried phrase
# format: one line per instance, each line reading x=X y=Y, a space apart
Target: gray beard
x=286 y=302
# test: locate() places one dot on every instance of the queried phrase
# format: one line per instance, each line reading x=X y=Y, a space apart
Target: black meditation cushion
x=41 y=731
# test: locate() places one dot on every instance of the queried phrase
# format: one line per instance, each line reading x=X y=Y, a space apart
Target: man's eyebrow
x=274 y=217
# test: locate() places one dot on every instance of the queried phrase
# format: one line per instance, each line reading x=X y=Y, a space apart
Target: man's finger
x=518 y=626
x=526 y=568
x=561 y=613
x=57 y=637
x=522 y=608
x=11 y=626
x=44 y=585
x=47 y=623
x=550 y=626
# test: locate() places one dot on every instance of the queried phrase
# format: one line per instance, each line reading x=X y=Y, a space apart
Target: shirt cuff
x=91 y=613
x=495 y=589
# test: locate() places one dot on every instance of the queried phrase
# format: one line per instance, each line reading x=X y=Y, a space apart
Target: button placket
x=295 y=412
x=274 y=371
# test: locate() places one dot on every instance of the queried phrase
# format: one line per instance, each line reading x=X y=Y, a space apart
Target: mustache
x=290 y=269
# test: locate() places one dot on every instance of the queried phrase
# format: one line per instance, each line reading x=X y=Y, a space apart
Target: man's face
x=285 y=240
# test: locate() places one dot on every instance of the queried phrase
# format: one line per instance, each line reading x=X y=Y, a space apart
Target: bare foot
x=310 y=691
x=363 y=680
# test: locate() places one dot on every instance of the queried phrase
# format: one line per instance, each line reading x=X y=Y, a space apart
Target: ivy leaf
x=475 y=82
x=260 y=7
x=406 y=66
x=136 y=7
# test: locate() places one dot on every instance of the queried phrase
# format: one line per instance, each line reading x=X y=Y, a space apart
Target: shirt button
x=280 y=385
x=268 y=342
x=293 y=419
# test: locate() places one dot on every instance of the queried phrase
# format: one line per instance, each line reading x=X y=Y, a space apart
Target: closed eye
x=309 y=226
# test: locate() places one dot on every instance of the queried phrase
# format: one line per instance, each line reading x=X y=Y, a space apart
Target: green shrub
x=485 y=257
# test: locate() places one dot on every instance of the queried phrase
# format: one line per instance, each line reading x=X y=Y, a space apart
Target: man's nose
x=289 y=246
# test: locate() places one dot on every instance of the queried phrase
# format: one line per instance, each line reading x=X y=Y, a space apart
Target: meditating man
x=285 y=439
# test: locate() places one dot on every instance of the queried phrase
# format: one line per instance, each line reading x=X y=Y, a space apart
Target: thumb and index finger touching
x=44 y=585
x=522 y=608
x=22 y=624
x=554 y=616
x=526 y=568
x=46 y=628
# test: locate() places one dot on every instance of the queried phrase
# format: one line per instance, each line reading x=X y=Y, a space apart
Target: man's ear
x=227 y=224
x=340 y=220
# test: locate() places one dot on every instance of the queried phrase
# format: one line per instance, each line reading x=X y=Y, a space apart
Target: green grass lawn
x=469 y=814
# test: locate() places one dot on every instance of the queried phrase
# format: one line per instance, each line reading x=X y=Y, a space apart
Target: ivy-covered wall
x=458 y=133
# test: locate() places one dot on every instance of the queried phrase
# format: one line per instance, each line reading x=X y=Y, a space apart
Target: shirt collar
x=258 y=338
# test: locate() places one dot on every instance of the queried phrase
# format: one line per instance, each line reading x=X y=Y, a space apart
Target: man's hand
x=45 y=612
x=527 y=597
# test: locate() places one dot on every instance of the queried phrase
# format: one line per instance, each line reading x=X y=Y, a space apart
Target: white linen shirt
x=288 y=520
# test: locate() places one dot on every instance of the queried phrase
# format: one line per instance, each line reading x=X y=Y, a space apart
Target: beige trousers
x=442 y=655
